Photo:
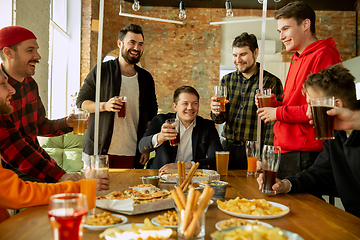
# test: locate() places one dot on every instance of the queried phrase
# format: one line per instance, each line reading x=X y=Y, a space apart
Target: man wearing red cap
x=20 y=150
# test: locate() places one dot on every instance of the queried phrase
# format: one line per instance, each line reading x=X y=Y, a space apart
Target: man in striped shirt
x=240 y=116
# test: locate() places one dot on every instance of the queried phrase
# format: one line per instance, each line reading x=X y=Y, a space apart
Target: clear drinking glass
x=252 y=153
x=220 y=93
x=79 y=121
x=271 y=156
x=264 y=96
x=174 y=122
x=323 y=123
x=67 y=213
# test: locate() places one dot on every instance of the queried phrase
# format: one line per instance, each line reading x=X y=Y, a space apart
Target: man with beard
x=240 y=115
x=118 y=137
x=20 y=150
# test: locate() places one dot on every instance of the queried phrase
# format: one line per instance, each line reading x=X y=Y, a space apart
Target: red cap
x=13 y=35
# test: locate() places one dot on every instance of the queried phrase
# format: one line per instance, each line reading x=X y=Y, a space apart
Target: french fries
x=251 y=207
x=236 y=222
x=249 y=233
x=170 y=218
x=147 y=231
x=105 y=218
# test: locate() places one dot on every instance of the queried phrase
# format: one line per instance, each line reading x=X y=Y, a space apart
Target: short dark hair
x=299 y=11
x=130 y=28
x=184 y=89
x=246 y=39
x=335 y=81
x=13 y=47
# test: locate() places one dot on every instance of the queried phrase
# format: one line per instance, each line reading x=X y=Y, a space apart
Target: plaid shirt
x=240 y=116
x=18 y=133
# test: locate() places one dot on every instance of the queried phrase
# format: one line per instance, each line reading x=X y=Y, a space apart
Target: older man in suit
x=199 y=138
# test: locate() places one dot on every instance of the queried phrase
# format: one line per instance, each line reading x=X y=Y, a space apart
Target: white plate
x=156 y=223
x=217 y=225
x=283 y=207
x=128 y=226
x=103 y=227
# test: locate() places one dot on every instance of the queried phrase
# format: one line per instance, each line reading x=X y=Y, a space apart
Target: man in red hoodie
x=293 y=133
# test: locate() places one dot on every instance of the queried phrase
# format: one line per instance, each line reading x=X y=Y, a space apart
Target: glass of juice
x=88 y=188
x=252 y=153
x=122 y=113
x=175 y=124
x=264 y=96
x=220 y=92
x=67 y=213
x=323 y=123
x=222 y=162
x=270 y=160
x=79 y=121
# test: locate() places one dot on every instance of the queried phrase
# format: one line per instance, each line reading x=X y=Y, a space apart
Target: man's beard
x=5 y=109
x=248 y=68
x=130 y=60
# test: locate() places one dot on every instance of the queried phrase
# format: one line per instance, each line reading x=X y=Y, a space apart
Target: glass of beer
x=271 y=160
x=222 y=162
x=220 y=92
x=323 y=123
x=252 y=153
x=79 y=121
x=100 y=163
x=264 y=96
x=122 y=113
x=174 y=122
x=67 y=213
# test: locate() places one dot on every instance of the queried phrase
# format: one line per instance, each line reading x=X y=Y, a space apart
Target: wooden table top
x=309 y=216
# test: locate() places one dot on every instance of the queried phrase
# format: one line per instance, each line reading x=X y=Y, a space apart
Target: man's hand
x=345 y=119
x=70 y=177
x=102 y=182
x=167 y=133
x=267 y=114
x=215 y=106
x=279 y=186
x=144 y=158
x=168 y=166
x=70 y=120
x=114 y=104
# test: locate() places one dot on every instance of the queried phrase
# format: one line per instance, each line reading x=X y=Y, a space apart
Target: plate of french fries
x=102 y=221
x=237 y=222
x=168 y=219
x=250 y=232
x=253 y=208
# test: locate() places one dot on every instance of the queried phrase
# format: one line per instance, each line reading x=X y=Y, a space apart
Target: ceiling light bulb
x=182 y=14
x=229 y=12
x=136 y=5
x=277 y=1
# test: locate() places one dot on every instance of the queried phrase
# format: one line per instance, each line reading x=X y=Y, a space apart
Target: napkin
x=113 y=204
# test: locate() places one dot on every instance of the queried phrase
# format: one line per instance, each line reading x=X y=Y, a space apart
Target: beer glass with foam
x=264 y=96
x=79 y=121
x=323 y=123
x=271 y=156
x=220 y=92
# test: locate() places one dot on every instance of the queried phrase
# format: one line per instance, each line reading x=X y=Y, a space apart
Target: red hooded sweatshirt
x=292 y=129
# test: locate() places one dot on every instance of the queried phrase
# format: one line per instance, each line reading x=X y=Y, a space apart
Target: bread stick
x=196 y=199
x=177 y=200
x=179 y=165
x=181 y=195
x=189 y=176
x=187 y=215
x=208 y=192
x=183 y=170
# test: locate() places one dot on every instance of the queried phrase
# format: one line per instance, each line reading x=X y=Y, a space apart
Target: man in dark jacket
x=199 y=138
x=337 y=168
x=118 y=137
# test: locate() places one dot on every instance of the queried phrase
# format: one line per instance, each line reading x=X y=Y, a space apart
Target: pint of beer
x=79 y=121
x=264 y=96
x=323 y=123
x=220 y=92
x=122 y=113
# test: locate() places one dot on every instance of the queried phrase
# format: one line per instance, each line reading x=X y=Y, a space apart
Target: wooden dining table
x=310 y=217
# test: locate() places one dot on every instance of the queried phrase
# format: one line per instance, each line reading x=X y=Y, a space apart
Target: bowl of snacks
x=220 y=189
x=154 y=180
x=100 y=222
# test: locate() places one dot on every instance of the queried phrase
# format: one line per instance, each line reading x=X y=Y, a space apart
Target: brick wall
x=189 y=54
